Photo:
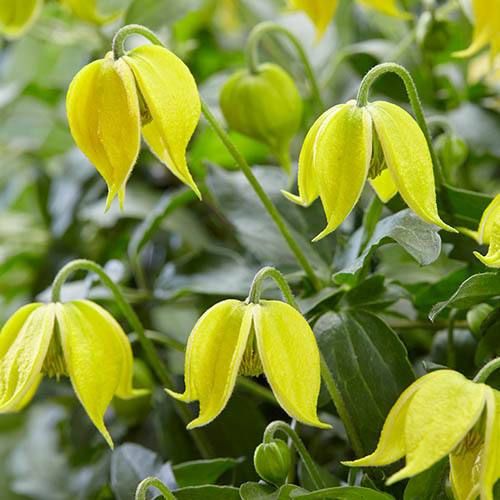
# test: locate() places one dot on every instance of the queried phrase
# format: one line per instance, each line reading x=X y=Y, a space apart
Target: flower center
x=54 y=364
x=377 y=163
x=471 y=442
x=250 y=364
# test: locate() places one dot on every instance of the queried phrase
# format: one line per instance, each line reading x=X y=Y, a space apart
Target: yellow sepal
x=492 y=258
x=320 y=12
x=290 y=358
x=24 y=341
x=104 y=118
x=17 y=16
x=490 y=216
x=408 y=158
x=384 y=186
x=171 y=97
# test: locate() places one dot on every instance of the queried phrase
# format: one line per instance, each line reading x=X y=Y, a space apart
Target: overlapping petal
x=171 y=97
x=490 y=457
x=17 y=16
x=104 y=118
x=290 y=358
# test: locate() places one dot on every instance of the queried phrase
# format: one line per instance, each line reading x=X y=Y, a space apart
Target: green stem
x=264 y=198
x=451 y=348
x=253 y=53
x=279 y=426
x=131 y=29
x=152 y=482
x=258 y=284
x=153 y=358
x=484 y=373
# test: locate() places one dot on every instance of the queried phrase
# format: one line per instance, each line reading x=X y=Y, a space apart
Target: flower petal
x=384 y=186
x=172 y=99
x=408 y=158
x=438 y=418
x=215 y=350
x=94 y=359
x=24 y=341
x=290 y=358
x=17 y=16
x=490 y=215
x=391 y=445
x=341 y=158
x=492 y=258
x=320 y=12
x=104 y=118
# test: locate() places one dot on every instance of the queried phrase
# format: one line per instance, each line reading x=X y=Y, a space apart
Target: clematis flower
x=443 y=414
x=486 y=28
x=321 y=12
x=348 y=144
x=236 y=337
x=109 y=101
x=488 y=233
x=78 y=339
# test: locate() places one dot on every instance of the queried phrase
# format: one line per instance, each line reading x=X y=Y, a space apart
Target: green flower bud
x=433 y=34
x=272 y=461
x=452 y=151
x=265 y=106
x=476 y=317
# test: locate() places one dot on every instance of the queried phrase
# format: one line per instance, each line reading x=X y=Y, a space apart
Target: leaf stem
x=152 y=482
x=264 y=198
x=253 y=53
x=487 y=370
x=153 y=358
x=280 y=426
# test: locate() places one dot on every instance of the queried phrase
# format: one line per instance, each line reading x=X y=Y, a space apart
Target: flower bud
x=272 y=461
x=265 y=106
x=476 y=317
x=452 y=151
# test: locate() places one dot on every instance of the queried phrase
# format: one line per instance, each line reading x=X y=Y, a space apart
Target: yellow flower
x=236 y=337
x=109 y=101
x=488 y=233
x=486 y=28
x=321 y=12
x=87 y=11
x=347 y=144
x=78 y=339
x=443 y=414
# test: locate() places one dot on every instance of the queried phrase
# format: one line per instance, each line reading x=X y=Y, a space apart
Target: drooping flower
x=236 y=337
x=321 y=12
x=444 y=414
x=109 y=101
x=348 y=144
x=486 y=28
x=78 y=339
x=488 y=233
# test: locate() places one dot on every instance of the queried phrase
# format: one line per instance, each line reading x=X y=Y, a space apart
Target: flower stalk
x=484 y=373
x=152 y=482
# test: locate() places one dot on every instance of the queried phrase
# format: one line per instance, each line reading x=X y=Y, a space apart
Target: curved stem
x=253 y=54
x=152 y=482
x=131 y=29
x=452 y=351
x=264 y=198
x=484 y=373
x=273 y=273
x=279 y=426
x=153 y=358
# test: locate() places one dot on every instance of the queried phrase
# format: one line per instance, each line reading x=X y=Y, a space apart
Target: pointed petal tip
x=323 y=233
x=294 y=198
x=179 y=396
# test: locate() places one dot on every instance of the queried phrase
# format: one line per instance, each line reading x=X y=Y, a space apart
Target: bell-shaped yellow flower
x=443 y=414
x=78 y=339
x=348 y=144
x=17 y=16
x=486 y=28
x=321 y=12
x=109 y=101
x=87 y=11
x=488 y=233
x=236 y=337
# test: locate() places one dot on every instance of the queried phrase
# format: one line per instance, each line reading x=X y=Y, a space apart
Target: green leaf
x=430 y=484
x=263 y=491
x=472 y=291
x=419 y=239
x=203 y=472
x=344 y=493
x=369 y=367
x=207 y=493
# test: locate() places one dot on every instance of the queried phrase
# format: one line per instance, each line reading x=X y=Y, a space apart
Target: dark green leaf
x=430 y=484
x=263 y=491
x=199 y=472
x=207 y=493
x=344 y=493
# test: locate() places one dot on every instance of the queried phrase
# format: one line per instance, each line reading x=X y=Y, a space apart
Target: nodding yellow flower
x=270 y=338
x=443 y=414
x=109 y=101
x=488 y=233
x=17 y=16
x=321 y=12
x=348 y=144
x=78 y=339
x=486 y=28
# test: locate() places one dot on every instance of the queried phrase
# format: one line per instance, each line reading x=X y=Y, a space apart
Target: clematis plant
x=77 y=339
x=252 y=338
x=321 y=12
x=111 y=100
x=441 y=414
